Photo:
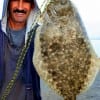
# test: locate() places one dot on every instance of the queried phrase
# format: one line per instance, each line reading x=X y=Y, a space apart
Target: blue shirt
x=28 y=76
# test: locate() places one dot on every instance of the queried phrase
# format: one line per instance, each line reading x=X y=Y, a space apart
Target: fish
x=63 y=55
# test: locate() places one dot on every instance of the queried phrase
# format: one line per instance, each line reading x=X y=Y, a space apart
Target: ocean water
x=96 y=45
x=93 y=93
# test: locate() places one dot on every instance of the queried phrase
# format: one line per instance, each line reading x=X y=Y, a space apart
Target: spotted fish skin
x=63 y=55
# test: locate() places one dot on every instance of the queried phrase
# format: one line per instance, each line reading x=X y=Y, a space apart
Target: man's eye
x=14 y=0
x=29 y=1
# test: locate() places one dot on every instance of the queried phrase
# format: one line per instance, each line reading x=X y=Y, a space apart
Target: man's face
x=19 y=10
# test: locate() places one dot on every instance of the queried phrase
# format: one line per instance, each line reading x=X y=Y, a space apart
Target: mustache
x=19 y=11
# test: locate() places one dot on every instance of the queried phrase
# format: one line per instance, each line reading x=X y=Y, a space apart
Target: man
x=14 y=29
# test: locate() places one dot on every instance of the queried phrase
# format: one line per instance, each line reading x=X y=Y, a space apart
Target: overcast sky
x=90 y=14
x=1 y=5
x=89 y=11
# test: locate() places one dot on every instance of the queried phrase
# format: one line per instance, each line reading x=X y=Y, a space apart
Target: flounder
x=63 y=55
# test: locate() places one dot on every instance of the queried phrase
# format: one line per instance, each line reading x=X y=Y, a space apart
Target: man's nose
x=20 y=4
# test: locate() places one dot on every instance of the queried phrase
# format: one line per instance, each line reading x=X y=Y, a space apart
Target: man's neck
x=15 y=26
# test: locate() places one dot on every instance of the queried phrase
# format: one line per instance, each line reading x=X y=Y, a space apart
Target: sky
x=1 y=5
x=89 y=11
x=90 y=15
